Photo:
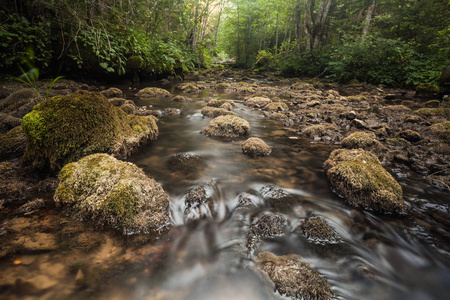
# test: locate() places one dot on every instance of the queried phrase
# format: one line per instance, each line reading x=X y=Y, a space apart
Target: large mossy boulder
x=257 y=102
x=213 y=112
x=227 y=126
x=153 y=92
x=63 y=129
x=359 y=177
x=293 y=277
x=113 y=193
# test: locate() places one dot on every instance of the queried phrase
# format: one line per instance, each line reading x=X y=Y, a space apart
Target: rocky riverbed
x=234 y=183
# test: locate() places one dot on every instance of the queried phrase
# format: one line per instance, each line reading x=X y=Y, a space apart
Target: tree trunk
x=369 y=16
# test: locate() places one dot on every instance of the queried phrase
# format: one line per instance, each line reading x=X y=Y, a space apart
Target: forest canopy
x=392 y=42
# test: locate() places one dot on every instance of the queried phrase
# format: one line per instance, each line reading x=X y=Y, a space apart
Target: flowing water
x=379 y=257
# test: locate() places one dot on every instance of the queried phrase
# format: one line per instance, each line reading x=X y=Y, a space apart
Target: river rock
x=358 y=176
x=227 y=126
x=8 y=122
x=265 y=226
x=276 y=106
x=153 y=92
x=291 y=276
x=116 y=194
x=318 y=231
x=189 y=164
x=410 y=135
x=218 y=103
x=12 y=142
x=13 y=186
x=213 y=112
x=198 y=205
x=227 y=105
x=112 y=93
x=391 y=109
x=256 y=147
x=319 y=130
x=364 y=140
x=65 y=128
x=440 y=131
x=19 y=103
x=276 y=197
x=258 y=102
x=180 y=98
x=434 y=112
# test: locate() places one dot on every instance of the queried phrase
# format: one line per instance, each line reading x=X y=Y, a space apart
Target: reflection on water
x=379 y=257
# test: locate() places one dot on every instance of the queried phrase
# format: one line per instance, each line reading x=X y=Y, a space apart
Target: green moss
x=427 y=88
x=65 y=128
x=364 y=140
x=134 y=63
x=433 y=112
x=227 y=126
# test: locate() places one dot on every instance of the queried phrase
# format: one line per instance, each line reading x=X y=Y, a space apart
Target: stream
x=378 y=256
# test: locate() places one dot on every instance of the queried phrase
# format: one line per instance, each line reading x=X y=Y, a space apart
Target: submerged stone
x=293 y=277
x=256 y=147
x=153 y=92
x=227 y=126
x=114 y=193
x=189 y=164
x=63 y=129
x=358 y=176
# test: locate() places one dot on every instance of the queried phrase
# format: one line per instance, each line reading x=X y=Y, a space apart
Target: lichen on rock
x=63 y=129
x=358 y=176
x=227 y=126
x=293 y=277
x=114 y=193
x=256 y=147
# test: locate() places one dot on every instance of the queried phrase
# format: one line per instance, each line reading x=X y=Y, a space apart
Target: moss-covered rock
x=212 y=112
x=440 y=131
x=180 y=98
x=218 y=103
x=113 y=193
x=365 y=140
x=358 y=176
x=256 y=147
x=112 y=93
x=188 y=87
x=257 y=102
x=396 y=109
x=318 y=231
x=198 y=206
x=410 y=135
x=293 y=277
x=134 y=64
x=227 y=105
x=319 y=130
x=19 y=103
x=440 y=181
x=276 y=106
x=302 y=86
x=432 y=103
x=427 y=88
x=8 y=122
x=278 y=116
x=153 y=92
x=222 y=86
x=12 y=142
x=433 y=112
x=65 y=128
x=227 y=126
x=117 y=101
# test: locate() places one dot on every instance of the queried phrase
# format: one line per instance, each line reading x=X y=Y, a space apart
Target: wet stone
x=410 y=135
x=186 y=163
x=265 y=226
x=278 y=198
x=318 y=231
x=112 y=93
x=293 y=277
x=198 y=205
